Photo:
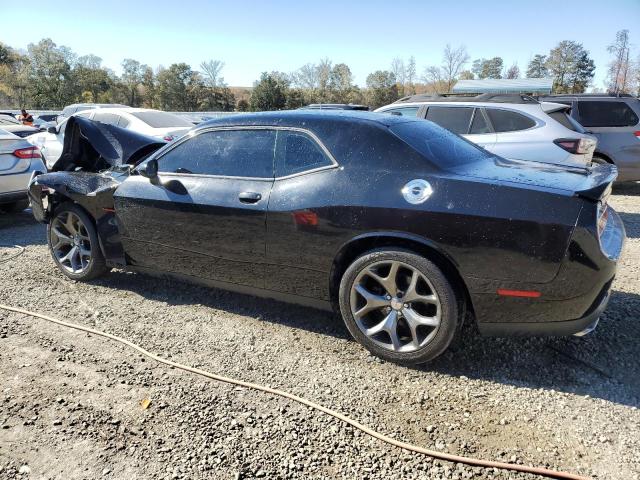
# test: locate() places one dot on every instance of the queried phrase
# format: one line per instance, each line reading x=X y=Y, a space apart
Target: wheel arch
x=604 y=156
x=60 y=199
x=419 y=245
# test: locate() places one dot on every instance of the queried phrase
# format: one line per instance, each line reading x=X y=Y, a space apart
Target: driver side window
x=229 y=153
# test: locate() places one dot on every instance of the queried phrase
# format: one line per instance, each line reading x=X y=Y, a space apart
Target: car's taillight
x=575 y=145
x=603 y=217
x=637 y=134
x=29 y=152
x=168 y=138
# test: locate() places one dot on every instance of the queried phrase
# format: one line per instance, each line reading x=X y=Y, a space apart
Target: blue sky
x=252 y=36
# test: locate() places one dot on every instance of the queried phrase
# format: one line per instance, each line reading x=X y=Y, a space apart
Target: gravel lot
x=70 y=404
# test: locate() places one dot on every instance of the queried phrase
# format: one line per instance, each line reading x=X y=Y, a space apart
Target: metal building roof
x=504 y=85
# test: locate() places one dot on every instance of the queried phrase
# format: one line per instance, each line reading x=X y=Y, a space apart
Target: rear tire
x=15 y=207
x=73 y=243
x=399 y=306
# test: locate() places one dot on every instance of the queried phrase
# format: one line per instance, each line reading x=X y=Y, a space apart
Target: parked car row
x=572 y=130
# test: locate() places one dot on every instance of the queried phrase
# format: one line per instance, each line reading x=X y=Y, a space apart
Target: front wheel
x=73 y=243
x=399 y=305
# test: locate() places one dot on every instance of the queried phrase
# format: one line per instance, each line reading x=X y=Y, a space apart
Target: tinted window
x=234 y=153
x=161 y=119
x=404 y=111
x=606 y=114
x=479 y=123
x=566 y=121
x=507 y=121
x=438 y=145
x=297 y=152
x=455 y=119
x=123 y=122
x=110 y=118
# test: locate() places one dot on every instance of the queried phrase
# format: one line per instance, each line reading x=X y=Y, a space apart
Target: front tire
x=399 y=306
x=73 y=243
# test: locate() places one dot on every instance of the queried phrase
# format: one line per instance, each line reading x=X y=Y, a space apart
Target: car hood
x=94 y=146
x=591 y=182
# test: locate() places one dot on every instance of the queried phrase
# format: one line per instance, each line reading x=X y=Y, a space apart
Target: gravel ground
x=70 y=403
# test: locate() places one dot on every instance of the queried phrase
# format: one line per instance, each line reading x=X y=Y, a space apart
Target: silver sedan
x=18 y=159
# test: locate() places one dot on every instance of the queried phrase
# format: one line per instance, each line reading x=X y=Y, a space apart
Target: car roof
x=484 y=98
x=590 y=97
x=305 y=117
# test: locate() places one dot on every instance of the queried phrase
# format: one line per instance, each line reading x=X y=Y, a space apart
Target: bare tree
x=444 y=77
x=513 y=71
x=411 y=75
x=620 y=74
x=399 y=71
x=212 y=70
x=454 y=60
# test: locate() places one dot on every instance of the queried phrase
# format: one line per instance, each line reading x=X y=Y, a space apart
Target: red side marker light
x=305 y=218
x=518 y=293
x=109 y=210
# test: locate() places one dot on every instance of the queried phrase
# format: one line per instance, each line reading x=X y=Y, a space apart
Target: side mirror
x=150 y=170
x=53 y=130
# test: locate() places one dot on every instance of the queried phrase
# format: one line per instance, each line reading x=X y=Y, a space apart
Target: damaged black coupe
x=399 y=225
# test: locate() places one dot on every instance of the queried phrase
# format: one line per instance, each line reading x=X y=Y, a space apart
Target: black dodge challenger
x=399 y=225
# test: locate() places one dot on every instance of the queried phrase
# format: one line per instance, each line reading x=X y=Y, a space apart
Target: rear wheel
x=73 y=243
x=399 y=305
x=14 y=207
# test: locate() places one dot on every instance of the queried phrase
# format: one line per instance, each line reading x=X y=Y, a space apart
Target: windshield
x=440 y=146
x=161 y=119
x=7 y=120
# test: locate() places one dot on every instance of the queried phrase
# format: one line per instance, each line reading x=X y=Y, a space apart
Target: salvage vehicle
x=399 y=225
x=18 y=160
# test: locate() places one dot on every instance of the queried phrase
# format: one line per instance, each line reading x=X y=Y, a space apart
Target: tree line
x=48 y=76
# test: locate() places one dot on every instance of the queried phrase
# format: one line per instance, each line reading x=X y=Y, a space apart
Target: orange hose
x=363 y=428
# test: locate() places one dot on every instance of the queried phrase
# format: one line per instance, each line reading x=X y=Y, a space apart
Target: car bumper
x=578 y=327
x=568 y=305
x=14 y=186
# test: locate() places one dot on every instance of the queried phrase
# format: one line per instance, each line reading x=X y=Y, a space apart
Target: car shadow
x=597 y=365
x=627 y=188
x=602 y=364
x=631 y=223
x=9 y=220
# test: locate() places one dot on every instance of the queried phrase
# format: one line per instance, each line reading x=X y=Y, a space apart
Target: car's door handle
x=249 y=197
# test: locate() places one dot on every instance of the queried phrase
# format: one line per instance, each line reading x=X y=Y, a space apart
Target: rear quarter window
x=439 y=145
x=606 y=114
x=563 y=118
x=508 y=121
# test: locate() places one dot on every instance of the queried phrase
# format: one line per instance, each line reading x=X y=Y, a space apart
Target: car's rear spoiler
x=597 y=184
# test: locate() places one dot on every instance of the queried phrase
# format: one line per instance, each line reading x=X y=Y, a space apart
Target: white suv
x=511 y=126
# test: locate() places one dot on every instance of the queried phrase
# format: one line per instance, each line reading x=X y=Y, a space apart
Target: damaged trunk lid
x=94 y=146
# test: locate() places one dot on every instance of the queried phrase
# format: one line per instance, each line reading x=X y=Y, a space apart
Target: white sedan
x=154 y=123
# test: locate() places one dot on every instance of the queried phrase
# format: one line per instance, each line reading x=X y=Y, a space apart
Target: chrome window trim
x=193 y=133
